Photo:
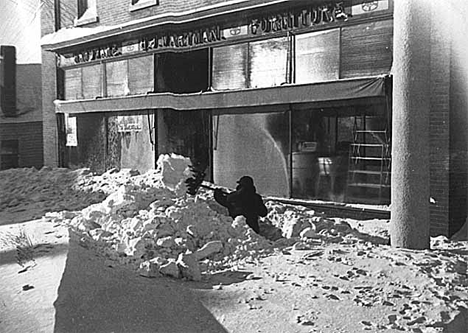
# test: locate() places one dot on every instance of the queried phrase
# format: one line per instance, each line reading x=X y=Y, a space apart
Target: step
x=383 y=145
x=369 y=172
x=366 y=200
x=367 y=158
x=369 y=185
x=370 y=132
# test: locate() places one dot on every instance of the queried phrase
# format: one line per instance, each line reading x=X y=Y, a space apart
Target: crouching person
x=244 y=201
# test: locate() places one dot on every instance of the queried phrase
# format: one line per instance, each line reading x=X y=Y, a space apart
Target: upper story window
x=87 y=12
x=140 y=4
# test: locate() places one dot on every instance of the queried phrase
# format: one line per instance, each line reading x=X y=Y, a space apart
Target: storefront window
x=341 y=154
x=92 y=77
x=319 y=159
x=318 y=56
x=269 y=63
x=90 y=139
x=73 y=84
x=117 y=78
x=184 y=72
x=253 y=65
x=141 y=75
x=184 y=133
x=230 y=67
x=252 y=144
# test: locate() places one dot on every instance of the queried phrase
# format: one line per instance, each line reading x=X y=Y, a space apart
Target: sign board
x=127 y=124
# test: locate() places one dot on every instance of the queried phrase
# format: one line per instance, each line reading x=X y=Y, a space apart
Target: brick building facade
x=21 y=123
x=295 y=91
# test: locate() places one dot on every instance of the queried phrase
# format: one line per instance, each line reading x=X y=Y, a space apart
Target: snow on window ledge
x=90 y=16
x=143 y=4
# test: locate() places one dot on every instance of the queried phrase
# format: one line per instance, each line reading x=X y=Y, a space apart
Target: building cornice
x=74 y=37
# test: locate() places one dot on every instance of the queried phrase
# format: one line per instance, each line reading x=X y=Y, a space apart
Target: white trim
x=89 y=16
x=143 y=4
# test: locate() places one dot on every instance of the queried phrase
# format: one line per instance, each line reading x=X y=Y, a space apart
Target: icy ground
x=307 y=272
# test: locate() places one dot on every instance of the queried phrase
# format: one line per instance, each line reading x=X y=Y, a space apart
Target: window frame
x=89 y=15
x=141 y=4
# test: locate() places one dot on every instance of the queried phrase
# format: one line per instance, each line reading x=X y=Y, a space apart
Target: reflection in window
x=252 y=144
x=340 y=154
x=320 y=153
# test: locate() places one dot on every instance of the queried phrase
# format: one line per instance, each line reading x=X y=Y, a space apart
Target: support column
x=410 y=218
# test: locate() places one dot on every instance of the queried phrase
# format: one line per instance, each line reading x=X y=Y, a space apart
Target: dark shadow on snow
x=25 y=256
x=97 y=297
x=222 y=278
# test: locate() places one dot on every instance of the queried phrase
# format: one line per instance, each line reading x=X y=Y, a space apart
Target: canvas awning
x=247 y=100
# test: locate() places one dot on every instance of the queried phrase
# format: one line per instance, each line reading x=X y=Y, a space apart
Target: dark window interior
x=82 y=7
x=185 y=72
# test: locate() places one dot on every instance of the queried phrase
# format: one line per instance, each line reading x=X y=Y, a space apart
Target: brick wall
x=115 y=12
x=49 y=89
x=29 y=136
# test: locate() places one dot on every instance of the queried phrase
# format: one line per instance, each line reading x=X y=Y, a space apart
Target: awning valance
x=273 y=97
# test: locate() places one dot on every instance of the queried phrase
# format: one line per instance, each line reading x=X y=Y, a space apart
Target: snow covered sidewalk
x=32 y=261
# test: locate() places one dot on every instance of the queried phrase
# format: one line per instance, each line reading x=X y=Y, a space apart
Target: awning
x=248 y=99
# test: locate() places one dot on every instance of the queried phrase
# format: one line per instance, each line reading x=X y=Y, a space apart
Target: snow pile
x=56 y=189
x=163 y=228
x=161 y=232
x=149 y=222
x=298 y=222
x=45 y=189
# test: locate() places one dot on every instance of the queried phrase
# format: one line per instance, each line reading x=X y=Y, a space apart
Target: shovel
x=196 y=181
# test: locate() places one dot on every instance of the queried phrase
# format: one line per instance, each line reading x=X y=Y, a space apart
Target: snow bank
x=148 y=220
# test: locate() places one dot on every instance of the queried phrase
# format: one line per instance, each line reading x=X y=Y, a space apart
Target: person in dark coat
x=244 y=201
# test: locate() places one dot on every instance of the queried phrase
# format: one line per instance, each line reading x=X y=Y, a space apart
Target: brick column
x=49 y=94
x=410 y=132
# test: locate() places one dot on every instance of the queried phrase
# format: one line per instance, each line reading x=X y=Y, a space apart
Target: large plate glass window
x=256 y=145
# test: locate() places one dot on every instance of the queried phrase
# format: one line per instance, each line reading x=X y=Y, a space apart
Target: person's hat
x=245 y=181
